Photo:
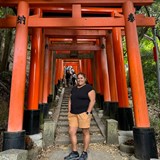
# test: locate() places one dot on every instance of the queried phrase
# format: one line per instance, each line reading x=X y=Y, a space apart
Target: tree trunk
x=6 y=43
x=7 y=50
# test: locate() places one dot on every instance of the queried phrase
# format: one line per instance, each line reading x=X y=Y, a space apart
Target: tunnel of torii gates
x=88 y=36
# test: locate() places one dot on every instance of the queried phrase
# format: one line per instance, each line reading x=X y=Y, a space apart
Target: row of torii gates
x=88 y=36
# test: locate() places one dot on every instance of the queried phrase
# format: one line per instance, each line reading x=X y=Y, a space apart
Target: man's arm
x=92 y=97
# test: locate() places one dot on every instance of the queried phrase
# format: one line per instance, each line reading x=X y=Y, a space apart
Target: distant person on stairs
x=80 y=105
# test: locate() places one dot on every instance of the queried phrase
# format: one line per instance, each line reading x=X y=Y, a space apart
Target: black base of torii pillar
x=145 y=143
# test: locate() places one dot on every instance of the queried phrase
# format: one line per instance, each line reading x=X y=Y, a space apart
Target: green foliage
x=155 y=122
x=147 y=45
x=6 y=11
x=150 y=76
x=150 y=11
x=146 y=49
x=1 y=12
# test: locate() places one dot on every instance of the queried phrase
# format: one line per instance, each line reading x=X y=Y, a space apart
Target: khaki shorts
x=82 y=120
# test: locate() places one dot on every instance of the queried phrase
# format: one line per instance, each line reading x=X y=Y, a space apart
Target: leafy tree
x=146 y=50
x=6 y=40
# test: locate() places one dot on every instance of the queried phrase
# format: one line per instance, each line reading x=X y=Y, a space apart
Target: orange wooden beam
x=43 y=3
x=34 y=21
x=70 y=40
x=89 y=10
x=67 y=52
x=71 y=60
x=76 y=22
x=73 y=47
x=71 y=33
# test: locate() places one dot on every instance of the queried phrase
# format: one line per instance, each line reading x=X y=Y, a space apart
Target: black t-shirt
x=80 y=99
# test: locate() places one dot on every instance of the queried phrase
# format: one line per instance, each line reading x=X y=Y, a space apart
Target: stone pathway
x=95 y=152
x=98 y=150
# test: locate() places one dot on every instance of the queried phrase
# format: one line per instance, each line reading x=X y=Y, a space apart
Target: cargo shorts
x=81 y=120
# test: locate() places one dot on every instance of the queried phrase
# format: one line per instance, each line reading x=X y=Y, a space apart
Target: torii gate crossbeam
x=43 y=3
x=34 y=21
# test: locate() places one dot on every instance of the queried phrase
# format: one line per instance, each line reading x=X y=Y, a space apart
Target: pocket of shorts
x=84 y=115
x=89 y=115
x=70 y=115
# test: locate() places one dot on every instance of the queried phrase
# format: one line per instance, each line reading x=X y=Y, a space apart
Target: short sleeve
x=89 y=88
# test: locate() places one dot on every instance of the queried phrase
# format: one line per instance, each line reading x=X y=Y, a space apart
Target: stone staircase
x=62 y=136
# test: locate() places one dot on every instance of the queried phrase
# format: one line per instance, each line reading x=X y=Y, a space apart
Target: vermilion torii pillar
x=50 y=84
x=99 y=84
x=125 y=117
x=80 y=65
x=111 y=108
x=57 y=68
x=46 y=78
x=41 y=78
x=54 y=74
x=144 y=138
x=105 y=75
x=32 y=113
x=111 y=68
x=15 y=136
x=84 y=67
x=89 y=72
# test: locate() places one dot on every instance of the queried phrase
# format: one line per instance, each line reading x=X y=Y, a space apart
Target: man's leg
x=86 y=138
x=73 y=137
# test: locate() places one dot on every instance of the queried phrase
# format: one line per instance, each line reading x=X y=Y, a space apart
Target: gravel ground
x=95 y=152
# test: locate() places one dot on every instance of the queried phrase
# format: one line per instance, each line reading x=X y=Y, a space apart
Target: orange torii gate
x=114 y=21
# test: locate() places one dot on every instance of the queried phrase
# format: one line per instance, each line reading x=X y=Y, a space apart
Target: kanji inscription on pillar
x=131 y=17
x=21 y=19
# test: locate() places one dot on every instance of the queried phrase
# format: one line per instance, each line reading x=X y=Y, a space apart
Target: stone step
x=64 y=129
x=64 y=109
x=64 y=103
x=64 y=113
x=65 y=123
x=80 y=134
x=64 y=106
x=64 y=139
